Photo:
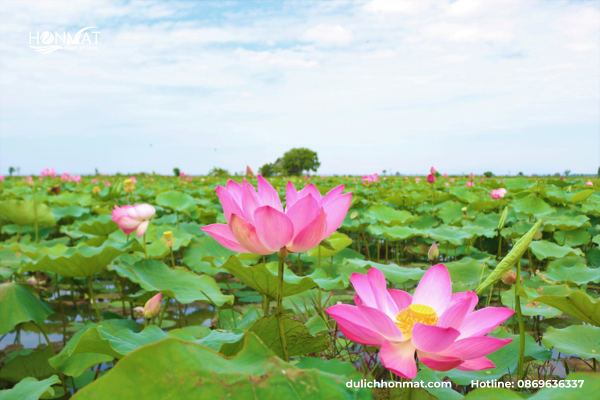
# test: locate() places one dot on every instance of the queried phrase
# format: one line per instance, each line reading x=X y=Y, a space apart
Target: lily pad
x=338 y=241
x=392 y=272
x=543 y=249
x=23 y=213
x=30 y=389
x=580 y=340
x=576 y=304
x=18 y=304
x=389 y=216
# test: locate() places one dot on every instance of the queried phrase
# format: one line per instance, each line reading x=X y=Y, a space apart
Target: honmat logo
x=81 y=41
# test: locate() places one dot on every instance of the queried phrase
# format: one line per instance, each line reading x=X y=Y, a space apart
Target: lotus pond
x=219 y=293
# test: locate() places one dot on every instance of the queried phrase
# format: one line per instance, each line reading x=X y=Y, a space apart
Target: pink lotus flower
x=48 y=172
x=384 y=178
x=589 y=183
x=452 y=180
x=75 y=178
x=406 y=177
x=182 y=175
x=498 y=193
x=417 y=179
x=257 y=223
x=431 y=178
x=439 y=326
x=469 y=184
x=29 y=181
x=2 y=178
x=64 y=177
x=107 y=183
x=202 y=180
x=133 y=179
x=94 y=180
x=368 y=179
x=445 y=175
x=133 y=218
x=447 y=184
x=305 y=177
x=432 y=170
x=152 y=307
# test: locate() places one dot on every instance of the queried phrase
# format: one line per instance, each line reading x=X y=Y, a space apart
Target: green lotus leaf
x=263 y=278
x=339 y=241
x=395 y=233
x=450 y=234
x=72 y=210
x=101 y=225
x=581 y=340
x=389 y=216
x=177 y=283
x=196 y=371
x=576 y=304
x=529 y=307
x=517 y=230
x=573 y=238
x=543 y=249
x=392 y=272
x=517 y=183
x=298 y=338
x=582 y=196
x=566 y=222
x=451 y=211
x=23 y=213
x=13 y=259
x=467 y=271
x=71 y=198
x=559 y=196
x=178 y=201
x=23 y=363
x=333 y=366
x=158 y=248
x=207 y=249
x=18 y=304
x=30 y=389
x=83 y=261
x=533 y=207
x=511 y=258
x=579 y=274
x=75 y=365
x=462 y=194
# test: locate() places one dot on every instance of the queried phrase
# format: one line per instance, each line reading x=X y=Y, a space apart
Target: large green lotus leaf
x=582 y=196
x=119 y=344
x=577 y=391
x=178 y=283
x=356 y=225
x=83 y=261
x=75 y=365
x=533 y=207
x=207 y=249
x=178 y=201
x=517 y=230
x=559 y=196
x=517 y=183
x=467 y=271
x=529 y=307
x=566 y=222
x=543 y=249
x=333 y=366
x=22 y=213
x=306 y=301
x=25 y=362
x=33 y=250
x=579 y=274
x=505 y=359
x=591 y=208
x=338 y=241
x=395 y=233
x=101 y=225
x=69 y=198
x=476 y=231
x=581 y=340
x=172 y=369
x=13 y=259
x=576 y=237
x=426 y=375
x=488 y=221
x=576 y=304
x=389 y=216
x=462 y=194
x=298 y=338
x=392 y=272
x=30 y=389
x=451 y=234
x=593 y=257
x=451 y=211
x=225 y=342
x=18 y=304
x=111 y=192
x=68 y=211
x=264 y=280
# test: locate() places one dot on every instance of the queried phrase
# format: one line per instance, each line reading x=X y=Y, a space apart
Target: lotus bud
x=249 y=173
x=445 y=175
x=510 y=278
x=471 y=177
x=96 y=190
x=431 y=178
x=434 y=253
x=29 y=181
x=464 y=210
x=152 y=307
x=129 y=185
x=168 y=238
x=432 y=170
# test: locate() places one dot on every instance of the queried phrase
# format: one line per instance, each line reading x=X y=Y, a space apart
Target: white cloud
x=397 y=6
x=462 y=33
x=328 y=34
x=385 y=54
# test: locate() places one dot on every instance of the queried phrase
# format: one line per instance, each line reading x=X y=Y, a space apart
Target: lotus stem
x=93 y=298
x=62 y=377
x=162 y=313
x=62 y=311
x=521 y=324
x=499 y=244
x=432 y=200
x=280 y=307
x=145 y=248
x=35 y=216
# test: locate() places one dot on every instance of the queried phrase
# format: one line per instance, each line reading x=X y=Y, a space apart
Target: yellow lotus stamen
x=407 y=318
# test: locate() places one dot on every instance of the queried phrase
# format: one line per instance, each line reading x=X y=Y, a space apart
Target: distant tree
x=218 y=172
x=97 y=173
x=599 y=171
x=11 y=170
x=176 y=171
x=520 y=174
x=269 y=169
x=567 y=172
x=384 y=171
x=397 y=173
x=295 y=161
x=488 y=174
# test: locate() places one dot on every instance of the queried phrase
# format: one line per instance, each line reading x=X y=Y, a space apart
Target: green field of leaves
x=74 y=282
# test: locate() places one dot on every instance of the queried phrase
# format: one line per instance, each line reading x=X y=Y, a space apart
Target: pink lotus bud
x=29 y=181
x=452 y=180
x=445 y=175
x=202 y=180
x=249 y=173
x=2 y=178
x=406 y=177
x=469 y=184
x=64 y=177
x=152 y=307
x=133 y=218
x=181 y=175
x=94 y=180
x=447 y=184
x=471 y=177
x=432 y=170
x=384 y=178
x=306 y=177
x=501 y=193
x=133 y=179
x=589 y=183
x=494 y=194
x=417 y=179
x=107 y=183
x=433 y=254
x=431 y=178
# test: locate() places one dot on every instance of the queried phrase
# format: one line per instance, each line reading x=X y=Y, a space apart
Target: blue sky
x=505 y=86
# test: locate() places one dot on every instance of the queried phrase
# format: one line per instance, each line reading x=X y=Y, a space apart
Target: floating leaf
x=23 y=213
x=30 y=389
x=576 y=304
x=338 y=241
x=389 y=216
x=581 y=340
x=18 y=304
x=392 y=272
x=582 y=196
x=543 y=249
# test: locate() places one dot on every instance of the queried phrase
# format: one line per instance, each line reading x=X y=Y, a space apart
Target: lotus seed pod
x=510 y=278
